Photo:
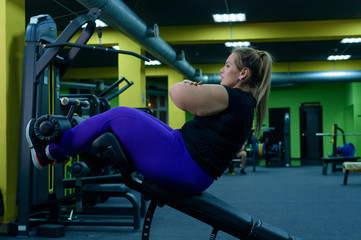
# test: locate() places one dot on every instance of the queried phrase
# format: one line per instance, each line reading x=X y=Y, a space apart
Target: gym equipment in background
x=340 y=154
x=275 y=153
x=348 y=149
x=278 y=153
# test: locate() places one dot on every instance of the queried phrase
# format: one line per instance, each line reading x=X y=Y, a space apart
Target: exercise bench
x=335 y=161
x=204 y=207
x=348 y=167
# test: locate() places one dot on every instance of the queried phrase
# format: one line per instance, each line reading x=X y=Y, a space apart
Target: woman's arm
x=199 y=99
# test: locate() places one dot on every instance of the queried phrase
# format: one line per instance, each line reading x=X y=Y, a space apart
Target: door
x=277 y=136
x=310 y=124
x=157 y=97
x=277 y=121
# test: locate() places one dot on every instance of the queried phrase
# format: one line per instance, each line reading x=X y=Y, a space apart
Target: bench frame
x=347 y=171
x=335 y=161
x=204 y=206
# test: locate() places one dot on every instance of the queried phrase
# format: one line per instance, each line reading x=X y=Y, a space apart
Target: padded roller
x=50 y=127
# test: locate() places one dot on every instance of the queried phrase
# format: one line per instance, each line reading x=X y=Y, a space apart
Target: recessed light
x=351 y=40
x=338 y=57
x=237 y=44
x=98 y=23
x=233 y=17
x=152 y=63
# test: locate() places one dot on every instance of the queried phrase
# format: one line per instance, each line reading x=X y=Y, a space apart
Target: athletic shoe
x=243 y=172
x=37 y=147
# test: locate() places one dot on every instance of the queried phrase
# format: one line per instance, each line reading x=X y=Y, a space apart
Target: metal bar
x=114 y=85
x=99 y=48
x=340 y=134
x=65 y=36
x=110 y=97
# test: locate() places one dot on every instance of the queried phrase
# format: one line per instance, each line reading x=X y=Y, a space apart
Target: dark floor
x=299 y=200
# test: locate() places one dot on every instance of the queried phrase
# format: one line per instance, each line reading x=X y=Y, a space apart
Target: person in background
x=242 y=154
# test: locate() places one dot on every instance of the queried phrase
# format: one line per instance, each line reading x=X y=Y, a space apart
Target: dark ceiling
x=196 y=12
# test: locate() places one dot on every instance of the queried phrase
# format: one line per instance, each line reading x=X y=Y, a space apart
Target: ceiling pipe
x=290 y=79
x=122 y=18
x=316 y=77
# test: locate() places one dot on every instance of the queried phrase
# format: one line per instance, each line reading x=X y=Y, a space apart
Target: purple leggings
x=157 y=151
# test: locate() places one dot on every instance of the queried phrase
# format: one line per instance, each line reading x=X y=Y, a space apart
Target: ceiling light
x=152 y=63
x=351 y=40
x=98 y=23
x=116 y=47
x=237 y=44
x=233 y=17
x=338 y=57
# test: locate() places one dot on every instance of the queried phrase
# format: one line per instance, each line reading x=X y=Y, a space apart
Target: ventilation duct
x=289 y=79
x=315 y=77
x=120 y=17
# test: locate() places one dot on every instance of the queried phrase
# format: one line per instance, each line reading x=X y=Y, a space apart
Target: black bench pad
x=204 y=207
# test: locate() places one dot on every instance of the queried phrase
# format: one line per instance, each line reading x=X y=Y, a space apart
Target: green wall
x=337 y=108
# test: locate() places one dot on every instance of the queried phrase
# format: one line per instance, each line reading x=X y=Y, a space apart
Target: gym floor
x=299 y=200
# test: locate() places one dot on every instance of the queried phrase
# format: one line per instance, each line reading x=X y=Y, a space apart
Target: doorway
x=157 y=97
x=310 y=124
x=277 y=121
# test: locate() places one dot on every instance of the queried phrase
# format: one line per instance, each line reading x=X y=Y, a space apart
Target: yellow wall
x=3 y=91
x=89 y=73
x=12 y=30
x=133 y=70
x=177 y=117
x=262 y=32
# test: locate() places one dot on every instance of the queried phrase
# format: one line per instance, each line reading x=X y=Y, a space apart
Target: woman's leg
x=157 y=151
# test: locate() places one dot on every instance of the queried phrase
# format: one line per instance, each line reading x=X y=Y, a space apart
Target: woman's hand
x=192 y=83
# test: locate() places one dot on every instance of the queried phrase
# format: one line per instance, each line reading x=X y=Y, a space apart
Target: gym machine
x=97 y=104
x=204 y=207
x=42 y=71
x=340 y=154
x=38 y=64
x=347 y=150
x=275 y=154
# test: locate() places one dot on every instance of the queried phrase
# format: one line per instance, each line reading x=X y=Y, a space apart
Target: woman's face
x=230 y=75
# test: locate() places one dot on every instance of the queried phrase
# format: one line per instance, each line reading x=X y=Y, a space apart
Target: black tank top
x=213 y=141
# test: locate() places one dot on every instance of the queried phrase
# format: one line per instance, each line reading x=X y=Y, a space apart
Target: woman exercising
x=187 y=159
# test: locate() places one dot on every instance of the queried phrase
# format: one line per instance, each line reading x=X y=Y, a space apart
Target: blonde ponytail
x=259 y=79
